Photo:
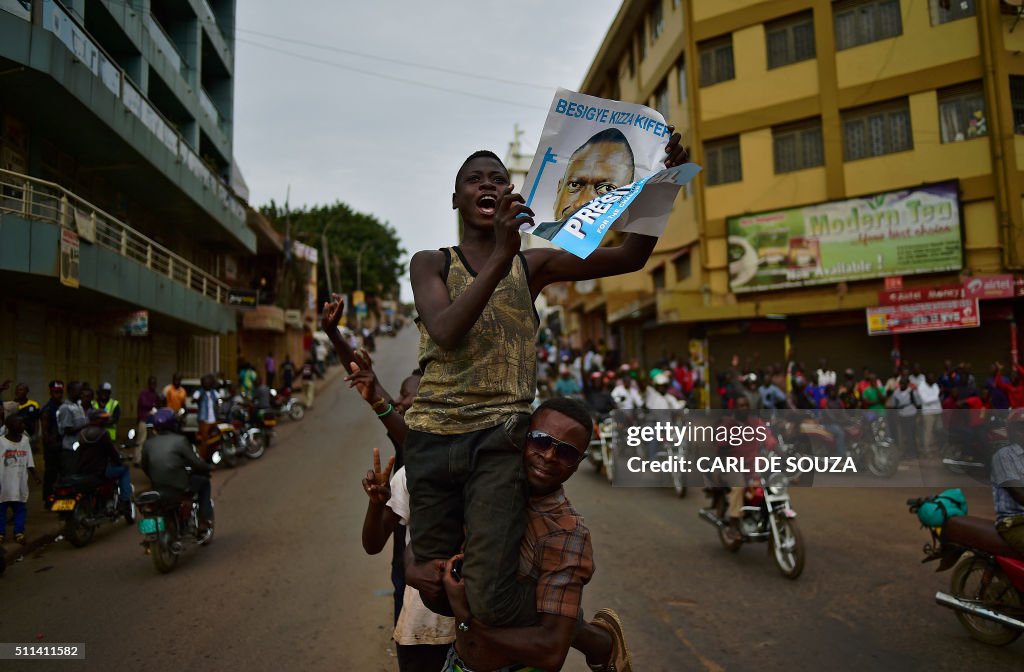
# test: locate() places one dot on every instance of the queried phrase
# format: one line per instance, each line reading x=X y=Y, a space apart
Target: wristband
x=385 y=413
x=379 y=404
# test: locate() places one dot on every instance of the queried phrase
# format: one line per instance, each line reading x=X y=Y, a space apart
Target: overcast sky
x=386 y=147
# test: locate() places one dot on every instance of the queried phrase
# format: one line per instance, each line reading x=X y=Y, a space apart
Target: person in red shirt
x=748 y=450
x=1014 y=390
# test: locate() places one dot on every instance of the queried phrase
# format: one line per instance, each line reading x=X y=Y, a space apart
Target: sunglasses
x=566 y=454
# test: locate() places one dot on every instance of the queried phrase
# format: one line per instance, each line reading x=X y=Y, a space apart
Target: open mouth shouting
x=487 y=205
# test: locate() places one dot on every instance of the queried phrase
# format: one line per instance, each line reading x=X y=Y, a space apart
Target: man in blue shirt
x=1008 y=484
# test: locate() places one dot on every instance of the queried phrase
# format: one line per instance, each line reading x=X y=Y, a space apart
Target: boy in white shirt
x=15 y=466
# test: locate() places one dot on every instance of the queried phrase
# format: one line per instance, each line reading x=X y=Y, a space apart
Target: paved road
x=285 y=585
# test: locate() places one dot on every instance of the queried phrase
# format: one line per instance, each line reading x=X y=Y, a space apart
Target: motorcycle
x=169 y=523
x=84 y=502
x=261 y=429
x=986 y=589
x=288 y=405
x=971 y=450
x=867 y=441
x=766 y=517
x=603 y=428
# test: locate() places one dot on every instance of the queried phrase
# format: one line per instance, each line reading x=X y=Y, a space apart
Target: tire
x=256 y=446
x=230 y=456
x=883 y=460
x=608 y=460
x=163 y=559
x=678 y=477
x=965 y=584
x=75 y=529
x=298 y=411
x=789 y=558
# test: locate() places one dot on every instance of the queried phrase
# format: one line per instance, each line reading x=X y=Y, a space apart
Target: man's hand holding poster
x=599 y=166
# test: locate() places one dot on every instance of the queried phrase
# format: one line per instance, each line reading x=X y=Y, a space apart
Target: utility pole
x=327 y=259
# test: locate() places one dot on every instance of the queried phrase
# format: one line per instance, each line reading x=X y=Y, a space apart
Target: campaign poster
x=69 y=258
x=600 y=165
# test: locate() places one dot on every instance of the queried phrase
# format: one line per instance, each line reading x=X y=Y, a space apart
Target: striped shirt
x=557 y=554
x=1007 y=465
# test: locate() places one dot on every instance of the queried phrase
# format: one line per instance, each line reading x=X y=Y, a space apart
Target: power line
x=378 y=75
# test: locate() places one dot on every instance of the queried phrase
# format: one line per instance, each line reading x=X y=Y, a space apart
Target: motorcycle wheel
x=678 y=478
x=163 y=558
x=883 y=460
x=608 y=460
x=789 y=554
x=230 y=456
x=999 y=595
x=256 y=446
x=297 y=412
x=75 y=529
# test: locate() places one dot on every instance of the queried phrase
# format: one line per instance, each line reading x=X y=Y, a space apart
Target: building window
x=944 y=11
x=790 y=40
x=1017 y=101
x=682 y=266
x=722 y=161
x=798 y=146
x=681 y=75
x=716 y=63
x=962 y=113
x=628 y=63
x=661 y=99
x=877 y=130
x=657 y=19
x=643 y=42
x=658 y=276
x=862 y=21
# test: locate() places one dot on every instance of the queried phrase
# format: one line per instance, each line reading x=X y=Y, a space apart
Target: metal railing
x=166 y=45
x=33 y=198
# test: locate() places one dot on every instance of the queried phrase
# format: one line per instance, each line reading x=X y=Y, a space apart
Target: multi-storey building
x=824 y=129
x=122 y=219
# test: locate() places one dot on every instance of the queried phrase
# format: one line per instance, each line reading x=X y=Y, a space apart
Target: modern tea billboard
x=903 y=232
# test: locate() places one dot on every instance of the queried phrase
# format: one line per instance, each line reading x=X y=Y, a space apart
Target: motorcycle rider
x=165 y=456
x=1008 y=484
x=97 y=456
x=748 y=450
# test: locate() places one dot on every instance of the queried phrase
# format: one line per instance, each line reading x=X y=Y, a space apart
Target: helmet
x=164 y=419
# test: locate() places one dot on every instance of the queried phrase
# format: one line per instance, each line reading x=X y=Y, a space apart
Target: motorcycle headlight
x=777 y=484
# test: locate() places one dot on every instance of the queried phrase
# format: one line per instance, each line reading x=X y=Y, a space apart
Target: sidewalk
x=43 y=526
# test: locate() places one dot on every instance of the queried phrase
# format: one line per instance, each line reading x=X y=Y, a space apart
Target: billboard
x=933 y=316
x=905 y=232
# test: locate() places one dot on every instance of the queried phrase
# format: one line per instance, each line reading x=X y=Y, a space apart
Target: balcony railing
x=165 y=45
x=33 y=198
x=211 y=110
x=88 y=53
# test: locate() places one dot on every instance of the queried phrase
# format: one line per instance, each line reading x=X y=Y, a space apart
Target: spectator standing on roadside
x=87 y=398
x=308 y=384
x=270 y=368
x=15 y=466
x=51 y=437
x=996 y=384
x=287 y=372
x=929 y=394
x=906 y=403
x=111 y=407
x=1014 y=389
x=147 y=403
x=174 y=394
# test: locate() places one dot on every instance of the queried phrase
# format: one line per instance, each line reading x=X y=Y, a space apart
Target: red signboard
x=920 y=295
x=894 y=282
x=934 y=316
x=989 y=287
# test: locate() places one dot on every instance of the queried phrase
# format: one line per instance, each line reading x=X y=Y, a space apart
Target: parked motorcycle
x=971 y=449
x=84 y=502
x=287 y=405
x=766 y=517
x=986 y=589
x=169 y=523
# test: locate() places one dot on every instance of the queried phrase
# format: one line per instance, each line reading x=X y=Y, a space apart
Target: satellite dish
x=587 y=286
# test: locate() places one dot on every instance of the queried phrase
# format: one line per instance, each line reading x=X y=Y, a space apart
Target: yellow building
x=798 y=103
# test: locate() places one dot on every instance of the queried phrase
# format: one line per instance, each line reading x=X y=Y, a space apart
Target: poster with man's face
x=594 y=158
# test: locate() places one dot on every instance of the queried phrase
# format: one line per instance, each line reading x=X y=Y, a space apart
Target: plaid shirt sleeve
x=568 y=561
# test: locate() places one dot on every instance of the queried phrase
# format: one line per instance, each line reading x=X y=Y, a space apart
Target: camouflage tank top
x=492 y=373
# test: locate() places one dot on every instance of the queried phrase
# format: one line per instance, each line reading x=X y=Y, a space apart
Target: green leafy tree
x=347 y=233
